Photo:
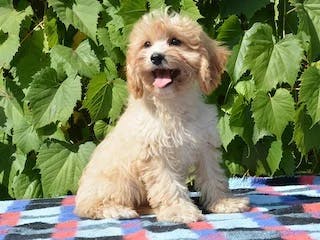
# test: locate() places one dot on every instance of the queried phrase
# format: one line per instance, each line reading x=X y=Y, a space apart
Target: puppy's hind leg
x=108 y=196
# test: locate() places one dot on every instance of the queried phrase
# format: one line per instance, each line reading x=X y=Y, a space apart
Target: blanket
x=282 y=208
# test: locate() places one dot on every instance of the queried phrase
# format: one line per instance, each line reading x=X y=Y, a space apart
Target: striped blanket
x=282 y=208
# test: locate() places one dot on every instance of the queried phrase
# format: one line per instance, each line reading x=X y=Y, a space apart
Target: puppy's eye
x=147 y=44
x=174 y=42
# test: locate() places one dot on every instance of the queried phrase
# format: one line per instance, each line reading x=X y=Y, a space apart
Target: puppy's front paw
x=230 y=205
x=180 y=213
x=118 y=212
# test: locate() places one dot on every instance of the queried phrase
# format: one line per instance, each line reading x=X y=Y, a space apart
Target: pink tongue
x=161 y=82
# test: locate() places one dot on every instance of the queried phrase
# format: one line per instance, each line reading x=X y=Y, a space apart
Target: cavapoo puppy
x=165 y=130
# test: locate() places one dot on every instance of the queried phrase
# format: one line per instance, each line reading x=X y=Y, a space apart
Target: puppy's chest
x=176 y=139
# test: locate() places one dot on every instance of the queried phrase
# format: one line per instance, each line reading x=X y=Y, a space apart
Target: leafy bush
x=62 y=85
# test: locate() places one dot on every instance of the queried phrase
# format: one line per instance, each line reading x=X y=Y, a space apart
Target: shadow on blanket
x=282 y=208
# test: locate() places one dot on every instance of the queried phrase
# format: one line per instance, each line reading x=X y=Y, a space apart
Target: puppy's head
x=168 y=53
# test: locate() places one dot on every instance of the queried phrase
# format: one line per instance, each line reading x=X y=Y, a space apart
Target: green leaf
x=50 y=32
x=235 y=65
x=274 y=156
x=104 y=39
x=83 y=14
x=51 y=100
x=189 y=8
x=241 y=121
x=230 y=31
x=272 y=62
x=110 y=47
x=11 y=103
x=310 y=92
x=30 y=58
x=99 y=129
x=305 y=135
x=82 y=60
x=119 y=98
x=226 y=134
x=6 y=162
x=273 y=113
x=24 y=134
x=10 y=22
x=316 y=64
x=3 y=118
x=156 y=4
x=106 y=94
x=99 y=97
x=52 y=131
x=12 y=163
x=255 y=158
x=27 y=186
x=246 y=88
x=287 y=163
x=259 y=134
x=131 y=11
x=246 y=7
x=114 y=35
x=111 y=68
x=61 y=166
x=309 y=22
x=232 y=157
x=234 y=168
x=305 y=41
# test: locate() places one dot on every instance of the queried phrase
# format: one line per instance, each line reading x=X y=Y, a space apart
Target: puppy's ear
x=134 y=82
x=212 y=63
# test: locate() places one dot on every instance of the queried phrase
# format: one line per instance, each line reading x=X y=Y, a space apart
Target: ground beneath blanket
x=282 y=208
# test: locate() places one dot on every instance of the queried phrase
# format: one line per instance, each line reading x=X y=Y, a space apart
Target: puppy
x=165 y=130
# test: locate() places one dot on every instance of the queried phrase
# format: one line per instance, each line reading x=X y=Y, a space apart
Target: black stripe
x=43 y=203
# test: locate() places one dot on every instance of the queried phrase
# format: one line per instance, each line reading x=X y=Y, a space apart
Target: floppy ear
x=135 y=86
x=212 y=63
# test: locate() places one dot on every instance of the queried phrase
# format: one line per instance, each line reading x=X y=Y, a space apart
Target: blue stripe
x=67 y=214
x=18 y=206
x=131 y=226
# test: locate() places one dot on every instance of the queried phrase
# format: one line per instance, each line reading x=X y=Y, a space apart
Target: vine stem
x=227 y=93
x=284 y=19
x=29 y=33
x=291 y=10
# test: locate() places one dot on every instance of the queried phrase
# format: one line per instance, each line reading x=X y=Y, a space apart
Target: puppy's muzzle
x=157 y=58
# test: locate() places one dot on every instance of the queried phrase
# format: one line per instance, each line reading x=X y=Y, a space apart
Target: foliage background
x=62 y=85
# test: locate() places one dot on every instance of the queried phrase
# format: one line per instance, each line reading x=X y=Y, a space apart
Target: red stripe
x=268 y=190
x=69 y=201
x=276 y=228
x=306 y=180
x=65 y=230
x=200 y=225
x=9 y=219
x=289 y=235
x=140 y=235
x=311 y=207
x=202 y=229
x=66 y=225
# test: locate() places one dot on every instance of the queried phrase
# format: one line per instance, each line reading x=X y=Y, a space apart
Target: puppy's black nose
x=157 y=58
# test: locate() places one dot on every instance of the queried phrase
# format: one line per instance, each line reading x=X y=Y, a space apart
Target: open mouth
x=164 y=77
